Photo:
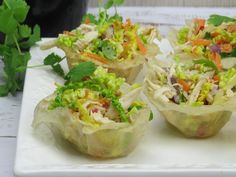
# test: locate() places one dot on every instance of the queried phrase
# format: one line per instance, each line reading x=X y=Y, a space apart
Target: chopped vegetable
x=206 y=63
x=214 y=40
x=97 y=83
x=108 y=38
x=200 y=24
x=203 y=42
x=141 y=47
x=95 y=57
x=185 y=85
x=226 y=48
x=196 y=83
x=217 y=60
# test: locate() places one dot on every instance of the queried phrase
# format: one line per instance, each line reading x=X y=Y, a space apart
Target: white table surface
x=10 y=106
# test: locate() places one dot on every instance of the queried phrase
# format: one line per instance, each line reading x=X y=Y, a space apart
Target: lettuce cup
x=213 y=38
x=196 y=98
x=101 y=115
x=108 y=41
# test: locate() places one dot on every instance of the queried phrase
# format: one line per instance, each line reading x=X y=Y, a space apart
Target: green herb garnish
x=206 y=63
x=54 y=60
x=18 y=38
x=207 y=35
x=107 y=50
x=91 y=84
x=114 y=3
x=217 y=20
x=228 y=55
x=80 y=71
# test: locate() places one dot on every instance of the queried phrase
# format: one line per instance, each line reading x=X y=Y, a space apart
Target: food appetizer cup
x=195 y=98
x=108 y=41
x=101 y=115
x=213 y=38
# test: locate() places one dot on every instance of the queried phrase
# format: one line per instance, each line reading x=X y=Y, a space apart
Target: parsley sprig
x=18 y=38
x=104 y=17
x=217 y=20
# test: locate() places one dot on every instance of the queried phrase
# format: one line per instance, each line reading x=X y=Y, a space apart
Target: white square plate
x=161 y=152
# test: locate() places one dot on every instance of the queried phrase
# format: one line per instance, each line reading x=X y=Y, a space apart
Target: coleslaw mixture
x=196 y=84
x=214 y=38
x=98 y=99
x=108 y=39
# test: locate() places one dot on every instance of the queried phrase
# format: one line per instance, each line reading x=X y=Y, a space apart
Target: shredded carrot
x=87 y=21
x=95 y=57
x=216 y=78
x=221 y=41
x=204 y=42
x=69 y=33
x=127 y=24
x=126 y=44
x=200 y=24
x=185 y=85
x=232 y=28
x=226 y=48
x=141 y=47
x=215 y=33
x=217 y=60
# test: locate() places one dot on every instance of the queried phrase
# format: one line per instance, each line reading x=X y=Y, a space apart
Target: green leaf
x=107 y=49
x=118 y=2
x=52 y=59
x=91 y=18
x=19 y=8
x=217 y=20
x=80 y=71
x=10 y=63
x=109 y=4
x=12 y=14
x=3 y=90
x=151 y=116
x=207 y=63
x=228 y=55
x=207 y=35
x=116 y=17
x=32 y=39
x=109 y=52
x=8 y=23
x=25 y=31
x=58 y=69
x=22 y=62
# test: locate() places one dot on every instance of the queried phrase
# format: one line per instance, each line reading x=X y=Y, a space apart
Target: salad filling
x=107 y=39
x=214 y=38
x=98 y=98
x=198 y=83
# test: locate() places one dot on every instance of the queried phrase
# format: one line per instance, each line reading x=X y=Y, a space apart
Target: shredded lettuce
x=67 y=40
x=226 y=76
x=108 y=79
x=206 y=88
x=180 y=72
x=183 y=35
x=100 y=84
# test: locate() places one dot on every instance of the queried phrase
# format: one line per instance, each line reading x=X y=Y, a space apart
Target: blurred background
x=195 y=3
